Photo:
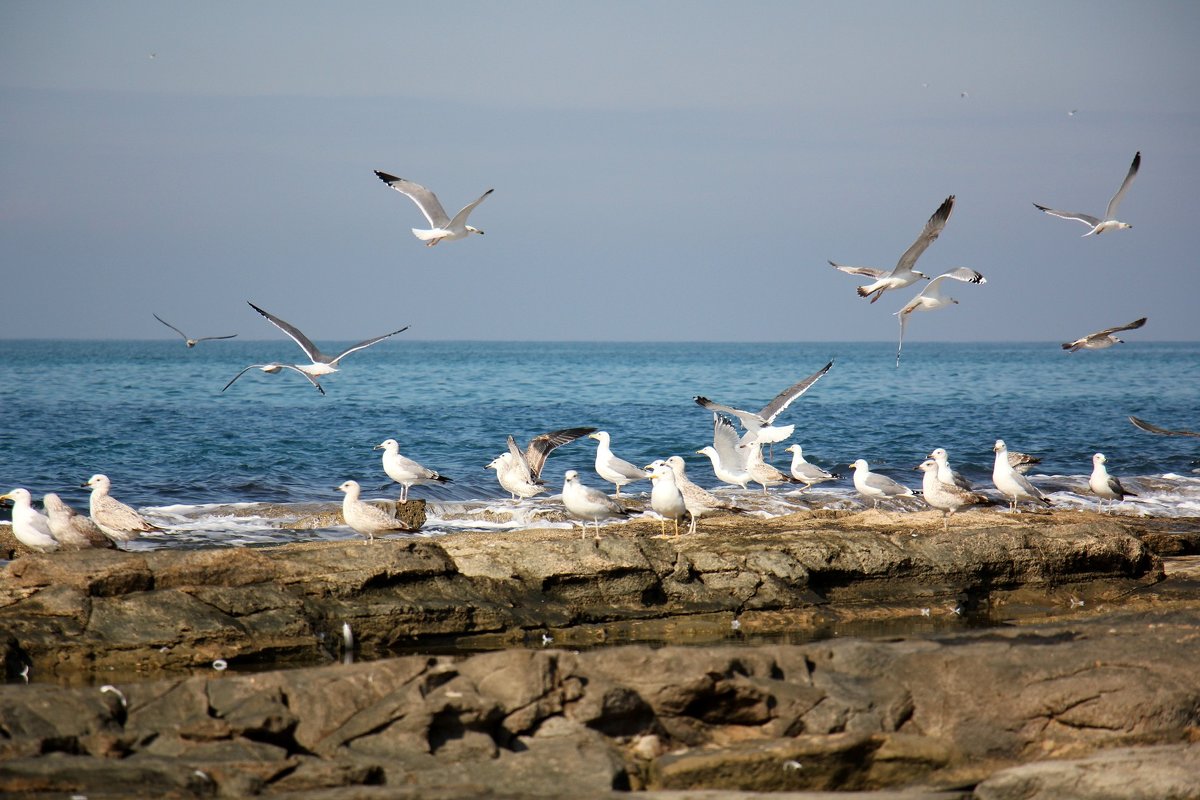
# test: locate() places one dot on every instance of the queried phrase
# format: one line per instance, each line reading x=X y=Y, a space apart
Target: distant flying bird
x=1011 y=483
x=1148 y=428
x=612 y=468
x=444 y=228
x=931 y=298
x=366 y=518
x=762 y=423
x=903 y=274
x=1102 y=339
x=519 y=471
x=875 y=487
x=1110 y=222
x=187 y=339
x=1106 y=486
x=404 y=470
x=585 y=503
x=271 y=369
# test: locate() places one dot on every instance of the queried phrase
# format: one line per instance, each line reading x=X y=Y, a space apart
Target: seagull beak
x=377 y=447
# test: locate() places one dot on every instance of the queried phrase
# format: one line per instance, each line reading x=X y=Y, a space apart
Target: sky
x=662 y=170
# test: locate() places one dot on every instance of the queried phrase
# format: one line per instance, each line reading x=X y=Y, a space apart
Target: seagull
x=945 y=474
x=73 y=530
x=807 y=473
x=874 y=486
x=520 y=472
x=272 y=368
x=404 y=470
x=366 y=518
x=586 y=503
x=931 y=298
x=1102 y=339
x=727 y=455
x=665 y=497
x=1106 y=486
x=187 y=339
x=1146 y=426
x=763 y=473
x=761 y=423
x=321 y=363
x=118 y=521
x=946 y=497
x=615 y=470
x=903 y=274
x=699 y=501
x=1011 y=483
x=1110 y=222
x=30 y=526
x=443 y=228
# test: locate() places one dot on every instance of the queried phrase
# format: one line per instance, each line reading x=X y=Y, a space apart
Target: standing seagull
x=1106 y=486
x=763 y=473
x=806 y=472
x=613 y=469
x=1102 y=339
x=944 y=472
x=699 y=501
x=187 y=339
x=321 y=363
x=520 y=472
x=404 y=470
x=30 y=526
x=118 y=521
x=903 y=274
x=931 y=298
x=585 y=503
x=73 y=530
x=761 y=423
x=1011 y=483
x=444 y=228
x=1109 y=222
x=366 y=518
x=874 y=486
x=665 y=497
x=946 y=497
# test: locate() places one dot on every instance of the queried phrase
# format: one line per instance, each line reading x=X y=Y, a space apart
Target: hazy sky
x=669 y=170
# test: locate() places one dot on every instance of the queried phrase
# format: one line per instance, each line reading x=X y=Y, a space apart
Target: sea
x=247 y=466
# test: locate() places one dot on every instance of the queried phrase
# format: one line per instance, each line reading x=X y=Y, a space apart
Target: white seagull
x=443 y=228
x=944 y=472
x=931 y=298
x=1011 y=483
x=585 y=503
x=30 y=526
x=73 y=530
x=666 y=498
x=1106 y=486
x=763 y=473
x=728 y=457
x=321 y=364
x=118 y=521
x=272 y=368
x=1110 y=222
x=903 y=274
x=613 y=469
x=874 y=486
x=761 y=423
x=806 y=472
x=366 y=518
x=946 y=497
x=1102 y=339
x=519 y=472
x=404 y=470
x=189 y=340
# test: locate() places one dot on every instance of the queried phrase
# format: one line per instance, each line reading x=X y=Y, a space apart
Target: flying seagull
x=443 y=228
x=931 y=298
x=1148 y=428
x=189 y=340
x=903 y=274
x=272 y=368
x=761 y=423
x=1110 y=222
x=1102 y=339
x=321 y=363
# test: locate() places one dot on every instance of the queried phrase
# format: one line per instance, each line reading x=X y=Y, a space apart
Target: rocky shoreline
x=1021 y=650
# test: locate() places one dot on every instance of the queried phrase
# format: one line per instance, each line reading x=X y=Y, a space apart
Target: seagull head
x=471 y=229
x=1000 y=447
x=1099 y=458
x=928 y=465
x=570 y=476
x=348 y=486
x=387 y=444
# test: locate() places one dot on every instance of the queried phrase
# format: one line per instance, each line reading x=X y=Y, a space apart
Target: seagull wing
x=540 y=447
x=211 y=338
x=364 y=344
x=461 y=217
x=426 y=200
x=1146 y=426
x=299 y=338
x=240 y=374
x=1137 y=323
x=1086 y=219
x=964 y=274
x=785 y=398
x=311 y=379
x=749 y=419
x=1116 y=198
x=930 y=233
x=870 y=272
x=726 y=443
x=520 y=461
x=172 y=327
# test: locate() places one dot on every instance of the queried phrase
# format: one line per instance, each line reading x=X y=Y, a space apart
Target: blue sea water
x=152 y=416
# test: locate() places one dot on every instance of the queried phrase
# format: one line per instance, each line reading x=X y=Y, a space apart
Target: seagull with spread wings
x=189 y=340
x=903 y=274
x=931 y=298
x=443 y=228
x=1102 y=339
x=761 y=423
x=1110 y=222
x=519 y=471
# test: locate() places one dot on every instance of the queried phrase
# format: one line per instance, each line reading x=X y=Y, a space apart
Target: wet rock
x=1143 y=773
